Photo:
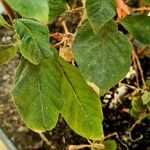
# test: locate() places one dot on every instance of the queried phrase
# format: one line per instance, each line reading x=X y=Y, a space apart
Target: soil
x=116 y=104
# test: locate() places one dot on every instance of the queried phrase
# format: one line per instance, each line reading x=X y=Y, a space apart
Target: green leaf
x=135 y=114
x=34 y=9
x=137 y=104
x=148 y=106
x=100 y=11
x=37 y=93
x=34 y=37
x=82 y=107
x=55 y=8
x=4 y=23
x=103 y=57
x=147 y=1
x=146 y=97
x=110 y=145
x=139 y=27
x=7 y=52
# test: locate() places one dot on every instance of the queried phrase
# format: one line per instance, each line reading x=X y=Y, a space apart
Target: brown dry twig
x=135 y=56
x=92 y=145
x=141 y=9
x=8 y=10
x=44 y=138
x=131 y=129
x=136 y=69
x=117 y=136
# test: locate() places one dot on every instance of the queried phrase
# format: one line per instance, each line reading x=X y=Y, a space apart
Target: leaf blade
x=37 y=94
x=103 y=55
x=55 y=8
x=39 y=9
x=34 y=37
x=99 y=12
x=139 y=27
x=82 y=107
x=7 y=52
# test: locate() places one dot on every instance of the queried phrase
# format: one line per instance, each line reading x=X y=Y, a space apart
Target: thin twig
x=84 y=16
x=140 y=69
x=44 y=138
x=136 y=69
x=93 y=145
x=65 y=27
x=131 y=129
x=141 y=9
x=8 y=10
x=117 y=136
x=141 y=51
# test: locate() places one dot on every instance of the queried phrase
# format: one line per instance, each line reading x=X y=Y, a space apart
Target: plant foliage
x=46 y=85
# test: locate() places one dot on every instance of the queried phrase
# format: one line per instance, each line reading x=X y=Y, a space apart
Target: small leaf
x=82 y=107
x=34 y=37
x=4 y=23
x=103 y=57
x=110 y=145
x=135 y=114
x=7 y=52
x=146 y=97
x=37 y=94
x=139 y=27
x=55 y=8
x=100 y=11
x=147 y=1
x=137 y=104
x=34 y=9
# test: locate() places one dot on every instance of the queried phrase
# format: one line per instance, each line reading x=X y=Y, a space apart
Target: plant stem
x=8 y=10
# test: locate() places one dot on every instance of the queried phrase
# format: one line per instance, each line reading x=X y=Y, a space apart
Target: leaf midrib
x=78 y=100
x=32 y=37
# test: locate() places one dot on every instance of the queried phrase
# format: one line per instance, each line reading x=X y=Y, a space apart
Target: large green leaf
x=55 y=8
x=37 y=93
x=7 y=52
x=139 y=27
x=82 y=107
x=35 y=9
x=34 y=37
x=103 y=57
x=100 y=11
